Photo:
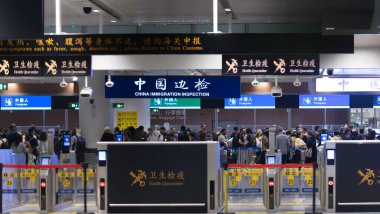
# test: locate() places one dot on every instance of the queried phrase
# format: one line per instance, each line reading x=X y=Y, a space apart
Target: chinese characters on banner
x=124 y=119
x=45 y=66
x=270 y=65
x=173 y=87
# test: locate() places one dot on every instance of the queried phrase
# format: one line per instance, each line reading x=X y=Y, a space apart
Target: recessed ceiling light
x=227 y=9
x=113 y=21
x=96 y=11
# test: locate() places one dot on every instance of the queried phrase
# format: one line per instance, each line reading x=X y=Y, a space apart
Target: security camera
x=276 y=91
x=109 y=83
x=86 y=92
x=297 y=82
x=255 y=82
x=63 y=83
x=87 y=10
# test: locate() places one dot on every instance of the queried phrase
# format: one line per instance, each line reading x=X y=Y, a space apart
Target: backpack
x=81 y=144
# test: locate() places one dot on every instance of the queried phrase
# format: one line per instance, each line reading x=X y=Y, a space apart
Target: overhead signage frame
x=270 y=64
x=173 y=87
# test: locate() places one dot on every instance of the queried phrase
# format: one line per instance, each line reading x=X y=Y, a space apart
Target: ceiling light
x=227 y=9
x=96 y=11
x=113 y=21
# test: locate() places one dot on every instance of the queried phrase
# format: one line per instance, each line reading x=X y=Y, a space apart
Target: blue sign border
x=251 y=101
x=334 y=101
x=32 y=103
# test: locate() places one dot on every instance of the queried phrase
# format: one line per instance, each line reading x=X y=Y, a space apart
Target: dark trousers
x=284 y=158
x=80 y=157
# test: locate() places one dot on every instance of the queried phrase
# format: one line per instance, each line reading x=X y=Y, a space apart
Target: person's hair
x=249 y=131
x=18 y=140
x=259 y=133
x=12 y=126
x=43 y=136
x=116 y=130
x=183 y=128
x=316 y=128
x=236 y=128
x=311 y=134
x=222 y=130
x=203 y=125
x=107 y=129
x=141 y=128
x=361 y=131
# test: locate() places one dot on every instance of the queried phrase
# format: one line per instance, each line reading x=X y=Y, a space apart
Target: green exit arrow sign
x=3 y=86
x=118 y=105
x=74 y=106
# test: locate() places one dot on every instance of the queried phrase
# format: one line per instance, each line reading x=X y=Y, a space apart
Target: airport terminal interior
x=202 y=106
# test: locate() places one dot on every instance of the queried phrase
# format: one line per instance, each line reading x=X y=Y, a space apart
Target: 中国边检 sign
x=173 y=87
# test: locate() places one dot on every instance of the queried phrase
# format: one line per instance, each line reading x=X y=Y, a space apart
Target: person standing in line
x=183 y=135
x=282 y=145
x=107 y=135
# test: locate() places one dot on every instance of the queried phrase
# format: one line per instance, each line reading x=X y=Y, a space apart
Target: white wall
x=364 y=57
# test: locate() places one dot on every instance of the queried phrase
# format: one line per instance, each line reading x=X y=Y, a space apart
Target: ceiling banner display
x=235 y=43
x=324 y=101
x=348 y=84
x=173 y=87
x=45 y=66
x=250 y=101
x=270 y=65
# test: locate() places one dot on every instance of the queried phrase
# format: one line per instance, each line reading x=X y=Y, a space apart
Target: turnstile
x=47 y=187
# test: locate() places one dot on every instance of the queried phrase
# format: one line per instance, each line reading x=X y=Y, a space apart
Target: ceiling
x=134 y=12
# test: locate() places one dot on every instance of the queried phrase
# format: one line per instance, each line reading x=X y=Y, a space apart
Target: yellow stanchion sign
x=90 y=173
x=238 y=173
x=30 y=173
x=308 y=174
x=290 y=173
x=66 y=174
x=10 y=174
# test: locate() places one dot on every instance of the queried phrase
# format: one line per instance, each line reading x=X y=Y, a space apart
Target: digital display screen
x=330 y=154
x=66 y=140
x=271 y=159
x=102 y=155
x=119 y=137
x=324 y=138
x=45 y=160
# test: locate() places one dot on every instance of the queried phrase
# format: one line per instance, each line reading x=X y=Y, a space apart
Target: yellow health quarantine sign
x=124 y=119
x=66 y=174
x=10 y=174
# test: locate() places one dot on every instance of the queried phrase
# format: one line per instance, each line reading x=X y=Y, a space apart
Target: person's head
x=141 y=128
x=116 y=130
x=361 y=131
x=12 y=127
x=150 y=130
x=107 y=129
x=243 y=131
x=259 y=133
x=173 y=130
x=43 y=136
x=183 y=128
x=249 y=131
x=162 y=129
x=203 y=127
x=317 y=129
x=236 y=129
x=289 y=133
x=310 y=134
x=3 y=135
x=223 y=131
x=31 y=131
x=347 y=131
x=279 y=130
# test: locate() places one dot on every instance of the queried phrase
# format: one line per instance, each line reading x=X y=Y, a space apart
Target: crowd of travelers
x=297 y=145
x=29 y=145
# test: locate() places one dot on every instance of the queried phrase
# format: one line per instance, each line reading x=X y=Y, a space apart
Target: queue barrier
x=22 y=184
x=248 y=181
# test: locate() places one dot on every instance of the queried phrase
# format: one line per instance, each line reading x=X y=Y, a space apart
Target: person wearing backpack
x=79 y=145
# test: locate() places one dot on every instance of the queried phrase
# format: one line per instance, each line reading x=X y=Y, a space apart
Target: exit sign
x=3 y=86
x=118 y=105
x=74 y=106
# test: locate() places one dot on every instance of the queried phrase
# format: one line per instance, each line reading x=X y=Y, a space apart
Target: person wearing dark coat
x=107 y=135
x=311 y=144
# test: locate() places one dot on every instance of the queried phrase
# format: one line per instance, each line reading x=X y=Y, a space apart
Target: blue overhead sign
x=173 y=87
x=249 y=101
x=324 y=101
x=376 y=102
x=25 y=103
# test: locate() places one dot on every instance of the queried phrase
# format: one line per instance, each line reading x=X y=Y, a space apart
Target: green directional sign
x=117 y=105
x=175 y=103
x=3 y=86
x=74 y=106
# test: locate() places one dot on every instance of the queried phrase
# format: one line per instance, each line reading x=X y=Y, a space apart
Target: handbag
x=309 y=153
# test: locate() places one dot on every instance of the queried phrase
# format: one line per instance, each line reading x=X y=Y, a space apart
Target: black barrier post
x=1 y=188
x=85 y=166
x=314 y=184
